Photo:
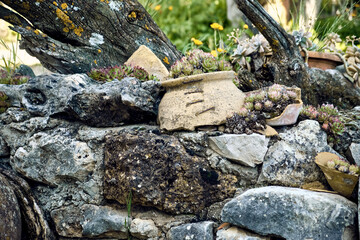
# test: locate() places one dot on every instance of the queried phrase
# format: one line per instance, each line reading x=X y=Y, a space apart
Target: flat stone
x=160 y=173
x=145 y=58
x=192 y=231
x=235 y=233
x=293 y=213
x=291 y=161
x=10 y=216
x=91 y=221
x=268 y=132
x=248 y=150
x=143 y=229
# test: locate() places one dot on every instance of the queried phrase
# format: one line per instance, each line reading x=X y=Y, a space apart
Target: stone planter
x=322 y=60
x=340 y=182
x=291 y=112
x=199 y=100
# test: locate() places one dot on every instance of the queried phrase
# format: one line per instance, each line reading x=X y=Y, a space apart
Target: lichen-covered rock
x=290 y=162
x=160 y=173
x=192 y=231
x=10 y=216
x=248 y=150
x=91 y=221
x=81 y=98
x=354 y=152
x=50 y=158
x=235 y=233
x=4 y=149
x=293 y=214
x=143 y=229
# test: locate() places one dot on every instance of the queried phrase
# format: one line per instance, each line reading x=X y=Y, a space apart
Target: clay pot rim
x=323 y=157
x=198 y=77
x=323 y=55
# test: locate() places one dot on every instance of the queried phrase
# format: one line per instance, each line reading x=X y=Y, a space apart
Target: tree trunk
x=75 y=36
x=286 y=65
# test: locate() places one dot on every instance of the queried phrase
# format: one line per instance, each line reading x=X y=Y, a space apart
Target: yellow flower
x=217 y=26
x=171 y=8
x=220 y=50
x=214 y=53
x=196 y=41
x=157 y=7
x=245 y=26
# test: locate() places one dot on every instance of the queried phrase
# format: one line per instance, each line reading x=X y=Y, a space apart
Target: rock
x=330 y=86
x=143 y=229
x=91 y=221
x=290 y=162
x=146 y=59
x=235 y=233
x=293 y=213
x=50 y=159
x=10 y=216
x=14 y=114
x=79 y=97
x=245 y=175
x=24 y=70
x=115 y=103
x=192 y=231
x=248 y=150
x=159 y=172
x=268 y=132
x=354 y=152
x=195 y=143
x=4 y=149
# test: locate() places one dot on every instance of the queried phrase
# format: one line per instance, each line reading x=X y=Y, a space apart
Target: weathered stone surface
x=195 y=143
x=10 y=216
x=146 y=59
x=293 y=214
x=14 y=114
x=192 y=231
x=91 y=221
x=143 y=229
x=354 y=151
x=245 y=175
x=248 y=150
x=235 y=233
x=4 y=149
x=159 y=172
x=80 y=97
x=50 y=158
x=290 y=162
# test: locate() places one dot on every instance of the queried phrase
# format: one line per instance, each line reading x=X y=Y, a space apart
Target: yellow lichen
x=28 y=28
x=55 y=3
x=132 y=14
x=37 y=32
x=78 y=31
x=99 y=50
x=66 y=29
x=64 y=6
x=146 y=26
x=95 y=61
x=166 y=60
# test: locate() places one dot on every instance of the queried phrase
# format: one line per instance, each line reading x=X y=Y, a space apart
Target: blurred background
x=182 y=20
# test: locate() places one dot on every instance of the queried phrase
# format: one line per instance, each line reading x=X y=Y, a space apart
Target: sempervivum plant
x=328 y=116
x=245 y=121
x=342 y=165
x=197 y=62
x=119 y=72
x=11 y=78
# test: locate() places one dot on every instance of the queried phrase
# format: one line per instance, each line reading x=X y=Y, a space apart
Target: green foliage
x=197 y=62
x=9 y=64
x=119 y=72
x=183 y=19
x=4 y=102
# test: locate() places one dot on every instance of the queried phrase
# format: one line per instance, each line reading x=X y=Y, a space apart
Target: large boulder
x=291 y=161
x=293 y=214
x=79 y=97
x=160 y=173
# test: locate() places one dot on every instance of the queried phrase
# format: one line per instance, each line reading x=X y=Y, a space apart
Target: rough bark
x=286 y=65
x=75 y=36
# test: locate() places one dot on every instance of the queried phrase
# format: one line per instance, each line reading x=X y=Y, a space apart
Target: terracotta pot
x=340 y=182
x=199 y=100
x=322 y=60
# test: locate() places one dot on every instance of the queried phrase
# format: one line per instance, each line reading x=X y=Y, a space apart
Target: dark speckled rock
x=160 y=173
x=10 y=217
